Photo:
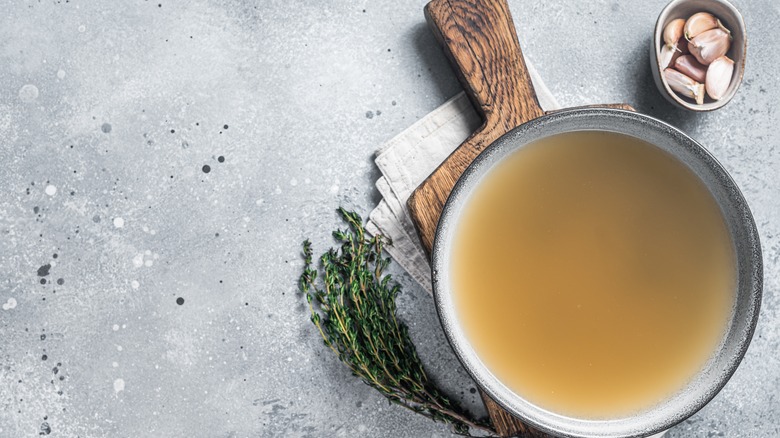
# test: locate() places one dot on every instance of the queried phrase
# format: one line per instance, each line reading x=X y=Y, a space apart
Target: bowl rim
x=662 y=20
x=668 y=413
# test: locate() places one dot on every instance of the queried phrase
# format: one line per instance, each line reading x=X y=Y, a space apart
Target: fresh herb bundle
x=355 y=312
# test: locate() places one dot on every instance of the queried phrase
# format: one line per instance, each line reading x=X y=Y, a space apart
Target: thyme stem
x=354 y=310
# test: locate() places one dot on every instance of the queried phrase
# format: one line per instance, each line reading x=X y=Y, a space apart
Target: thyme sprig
x=354 y=310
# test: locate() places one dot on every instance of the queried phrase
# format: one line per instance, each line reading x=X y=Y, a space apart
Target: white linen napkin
x=408 y=158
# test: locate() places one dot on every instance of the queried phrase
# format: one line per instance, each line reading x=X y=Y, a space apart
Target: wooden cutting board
x=478 y=37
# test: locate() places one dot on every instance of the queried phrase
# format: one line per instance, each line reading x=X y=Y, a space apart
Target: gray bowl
x=731 y=18
x=741 y=226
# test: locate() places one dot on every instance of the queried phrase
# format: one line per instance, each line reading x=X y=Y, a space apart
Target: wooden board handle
x=478 y=37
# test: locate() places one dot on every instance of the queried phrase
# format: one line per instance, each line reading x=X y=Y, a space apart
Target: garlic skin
x=719 y=77
x=684 y=85
x=710 y=45
x=689 y=66
x=700 y=23
x=673 y=31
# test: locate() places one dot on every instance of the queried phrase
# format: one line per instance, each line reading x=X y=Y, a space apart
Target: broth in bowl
x=593 y=274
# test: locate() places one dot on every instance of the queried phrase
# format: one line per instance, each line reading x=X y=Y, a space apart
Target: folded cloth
x=407 y=159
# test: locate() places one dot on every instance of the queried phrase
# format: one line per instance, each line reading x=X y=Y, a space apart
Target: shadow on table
x=437 y=70
x=647 y=99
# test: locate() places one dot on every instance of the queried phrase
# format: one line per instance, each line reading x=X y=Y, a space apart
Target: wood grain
x=479 y=39
x=505 y=424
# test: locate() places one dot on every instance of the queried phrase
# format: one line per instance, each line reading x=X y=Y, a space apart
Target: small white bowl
x=731 y=18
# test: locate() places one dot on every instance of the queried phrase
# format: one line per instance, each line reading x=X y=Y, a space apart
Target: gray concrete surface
x=109 y=112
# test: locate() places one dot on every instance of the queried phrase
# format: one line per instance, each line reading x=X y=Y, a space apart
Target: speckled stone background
x=161 y=162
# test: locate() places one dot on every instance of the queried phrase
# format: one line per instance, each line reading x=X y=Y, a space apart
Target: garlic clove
x=699 y=23
x=667 y=56
x=710 y=45
x=719 y=77
x=689 y=66
x=677 y=54
x=684 y=85
x=673 y=31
